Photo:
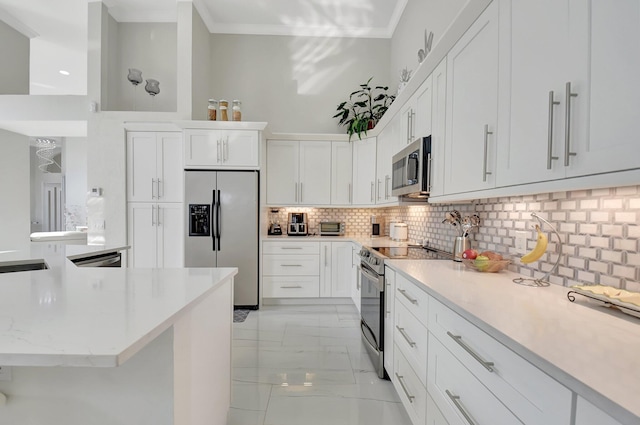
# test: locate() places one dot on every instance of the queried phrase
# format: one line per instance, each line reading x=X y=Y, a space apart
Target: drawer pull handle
x=412 y=300
x=456 y=401
x=457 y=338
x=291 y=265
x=291 y=287
x=404 y=334
x=404 y=388
x=291 y=247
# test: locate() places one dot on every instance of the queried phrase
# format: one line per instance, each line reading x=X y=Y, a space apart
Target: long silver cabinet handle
x=413 y=126
x=409 y=127
x=296 y=191
x=404 y=388
x=456 y=401
x=567 y=125
x=550 y=156
x=291 y=265
x=404 y=334
x=291 y=247
x=378 y=191
x=412 y=300
x=153 y=186
x=291 y=287
x=226 y=150
x=485 y=173
x=349 y=189
x=386 y=186
x=220 y=159
x=429 y=162
x=326 y=256
x=487 y=365
x=372 y=197
x=153 y=212
x=158 y=216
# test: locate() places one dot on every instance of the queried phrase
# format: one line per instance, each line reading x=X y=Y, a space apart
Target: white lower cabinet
x=588 y=414
x=410 y=336
x=410 y=389
x=290 y=286
x=389 y=318
x=155 y=235
x=355 y=285
x=434 y=415
x=336 y=269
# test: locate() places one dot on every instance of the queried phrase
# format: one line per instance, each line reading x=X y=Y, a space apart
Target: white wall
x=408 y=38
x=14 y=72
x=201 y=68
x=294 y=83
x=14 y=190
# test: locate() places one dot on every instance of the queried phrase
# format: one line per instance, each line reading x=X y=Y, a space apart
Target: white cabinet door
x=341 y=173
x=588 y=414
x=282 y=172
x=407 y=123
x=220 y=149
x=364 y=171
x=170 y=169
x=326 y=263
x=472 y=106
x=355 y=285
x=610 y=141
x=384 y=153
x=438 y=124
x=141 y=167
x=389 y=318
x=142 y=225
x=342 y=271
x=171 y=229
x=531 y=139
x=315 y=173
x=423 y=117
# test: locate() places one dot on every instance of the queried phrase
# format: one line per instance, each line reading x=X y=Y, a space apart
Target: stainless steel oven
x=371 y=311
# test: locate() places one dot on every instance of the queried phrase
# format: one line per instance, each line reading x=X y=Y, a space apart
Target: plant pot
x=371 y=125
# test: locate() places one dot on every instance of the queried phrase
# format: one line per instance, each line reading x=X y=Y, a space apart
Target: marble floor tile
x=306 y=365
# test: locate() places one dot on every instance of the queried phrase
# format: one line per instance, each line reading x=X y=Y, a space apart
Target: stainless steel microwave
x=411 y=174
x=331 y=228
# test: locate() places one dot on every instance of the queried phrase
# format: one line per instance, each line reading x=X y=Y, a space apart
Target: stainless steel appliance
x=372 y=299
x=377 y=226
x=222 y=227
x=297 y=224
x=274 y=224
x=330 y=228
x=109 y=259
x=411 y=175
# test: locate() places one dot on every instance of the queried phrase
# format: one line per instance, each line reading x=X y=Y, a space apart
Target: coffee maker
x=297 y=224
x=274 y=224
x=377 y=226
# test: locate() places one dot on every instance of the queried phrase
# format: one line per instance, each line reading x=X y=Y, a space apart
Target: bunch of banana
x=539 y=250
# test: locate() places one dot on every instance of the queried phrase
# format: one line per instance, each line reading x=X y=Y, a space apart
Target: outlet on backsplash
x=521 y=242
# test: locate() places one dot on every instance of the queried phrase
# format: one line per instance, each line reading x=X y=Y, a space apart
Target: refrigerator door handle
x=219 y=219
x=213 y=229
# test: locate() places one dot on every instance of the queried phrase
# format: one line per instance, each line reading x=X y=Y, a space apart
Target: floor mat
x=240 y=315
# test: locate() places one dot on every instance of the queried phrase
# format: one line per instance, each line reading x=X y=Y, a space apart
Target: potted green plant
x=364 y=108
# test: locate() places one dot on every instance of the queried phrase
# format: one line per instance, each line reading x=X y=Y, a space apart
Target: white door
x=142 y=229
x=472 y=106
x=384 y=153
x=170 y=169
x=202 y=148
x=326 y=262
x=536 y=70
x=423 y=108
x=364 y=171
x=240 y=148
x=171 y=230
x=282 y=172
x=341 y=269
x=142 y=167
x=438 y=124
x=315 y=173
x=341 y=173
x=53 y=207
x=612 y=94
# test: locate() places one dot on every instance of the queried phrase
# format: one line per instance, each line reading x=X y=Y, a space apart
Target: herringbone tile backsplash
x=599 y=230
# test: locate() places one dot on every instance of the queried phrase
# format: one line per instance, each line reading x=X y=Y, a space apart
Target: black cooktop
x=413 y=253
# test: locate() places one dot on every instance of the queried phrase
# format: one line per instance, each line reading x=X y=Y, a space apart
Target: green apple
x=481 y=262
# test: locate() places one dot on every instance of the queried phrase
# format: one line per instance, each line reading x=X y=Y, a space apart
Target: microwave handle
x=429 y=171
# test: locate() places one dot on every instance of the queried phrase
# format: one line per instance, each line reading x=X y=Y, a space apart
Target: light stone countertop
x=100 y=317
x=362 y=240
x=592 y=350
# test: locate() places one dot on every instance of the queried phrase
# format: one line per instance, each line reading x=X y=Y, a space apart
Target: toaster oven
x=331 y=228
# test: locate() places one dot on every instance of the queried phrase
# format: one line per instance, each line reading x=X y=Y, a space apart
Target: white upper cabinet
x=605 y=136
x=364 y=171
x=407 y=123
x=298 y=173
x=438 y=123
x=154 y=167
x=384 y=154
x=472 y=106
x=220 y=149
x=423 y=105
x=341 y=173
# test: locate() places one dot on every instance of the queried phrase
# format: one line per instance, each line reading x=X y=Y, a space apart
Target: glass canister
x=212 y=109
x=224 y=105
x=237 y=110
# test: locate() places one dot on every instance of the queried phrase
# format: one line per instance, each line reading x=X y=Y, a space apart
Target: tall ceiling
x=58 y=28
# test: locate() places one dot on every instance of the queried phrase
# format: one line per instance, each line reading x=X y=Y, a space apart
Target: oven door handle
x=370 y=275
x=367 y=332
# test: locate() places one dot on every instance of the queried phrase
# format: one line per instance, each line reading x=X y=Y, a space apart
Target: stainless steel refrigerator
x=222 y=226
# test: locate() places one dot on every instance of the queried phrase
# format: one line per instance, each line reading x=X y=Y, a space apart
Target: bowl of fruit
x=485 y=261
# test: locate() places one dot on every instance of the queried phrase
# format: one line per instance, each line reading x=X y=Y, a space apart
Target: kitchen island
x=113 y=345
x=591 y=351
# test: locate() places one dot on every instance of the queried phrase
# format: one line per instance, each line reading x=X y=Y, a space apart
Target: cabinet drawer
x=434 y=415
x=291 y=265
x=411 y=391
x=528 y=392
x=291 y=248
x=411 y=338
x=412 y=297
x=458 y=393
x=291 y=287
